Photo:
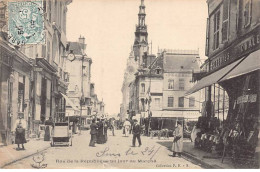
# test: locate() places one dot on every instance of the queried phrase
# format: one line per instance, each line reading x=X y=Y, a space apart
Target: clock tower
x=140 y=46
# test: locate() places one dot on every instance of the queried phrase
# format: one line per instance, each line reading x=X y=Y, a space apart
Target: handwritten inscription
x=147 y=151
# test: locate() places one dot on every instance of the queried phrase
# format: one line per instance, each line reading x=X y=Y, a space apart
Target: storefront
x=237 y=71
x=6 y=62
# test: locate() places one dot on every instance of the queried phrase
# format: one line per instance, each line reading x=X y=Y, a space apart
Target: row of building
x=223 y=91
x=41 y=81
x=154 y=86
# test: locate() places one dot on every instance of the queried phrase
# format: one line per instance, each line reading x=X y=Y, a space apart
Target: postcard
x=129 y=84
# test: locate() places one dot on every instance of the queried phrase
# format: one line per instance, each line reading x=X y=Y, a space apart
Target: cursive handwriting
x=147 y=151
x=106 y=153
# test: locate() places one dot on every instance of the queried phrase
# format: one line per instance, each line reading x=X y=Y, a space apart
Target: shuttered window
x=216 y=29
x=225 y=20
x=247 y=12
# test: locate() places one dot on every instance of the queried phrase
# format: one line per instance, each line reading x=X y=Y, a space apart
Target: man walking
x=93 y=132
x=136 y=133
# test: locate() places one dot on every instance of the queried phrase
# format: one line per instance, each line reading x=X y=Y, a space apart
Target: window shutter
x=225 y=20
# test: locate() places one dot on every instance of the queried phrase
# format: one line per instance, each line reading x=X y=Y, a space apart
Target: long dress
x=178 y=145
x=20 y=136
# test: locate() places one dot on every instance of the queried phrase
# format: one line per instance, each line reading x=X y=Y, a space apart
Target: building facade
x=232 y=47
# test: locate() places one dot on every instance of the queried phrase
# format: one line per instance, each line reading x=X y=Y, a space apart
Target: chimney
x=82 y=44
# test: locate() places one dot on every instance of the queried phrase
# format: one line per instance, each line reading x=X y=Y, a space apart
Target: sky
x=109 y=26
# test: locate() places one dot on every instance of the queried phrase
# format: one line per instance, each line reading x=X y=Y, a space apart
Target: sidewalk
x=200 y=157
x=9 y=154
x=207 y=160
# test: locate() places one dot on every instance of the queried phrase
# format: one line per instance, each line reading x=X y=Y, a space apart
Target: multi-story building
x=232 y=47
x=178 y=66
x=49 y=59
x=78 y=67
x=137 y=58
x=34 y=76
x=128 y=78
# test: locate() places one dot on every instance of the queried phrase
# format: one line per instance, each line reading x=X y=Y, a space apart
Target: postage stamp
x=25 y=22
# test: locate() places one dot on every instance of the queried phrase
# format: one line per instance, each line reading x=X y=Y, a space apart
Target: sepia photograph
x=129 y=84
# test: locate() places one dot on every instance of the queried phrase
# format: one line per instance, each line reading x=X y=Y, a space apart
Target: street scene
x=129 y=84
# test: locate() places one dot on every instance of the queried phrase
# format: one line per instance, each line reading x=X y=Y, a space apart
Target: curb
x=23 y=157
x=198 y=161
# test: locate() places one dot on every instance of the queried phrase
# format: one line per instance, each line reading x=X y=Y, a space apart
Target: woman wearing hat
x=177 y=144
x=20 y=136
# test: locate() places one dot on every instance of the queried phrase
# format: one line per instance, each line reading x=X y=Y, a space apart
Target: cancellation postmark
x=25 y=22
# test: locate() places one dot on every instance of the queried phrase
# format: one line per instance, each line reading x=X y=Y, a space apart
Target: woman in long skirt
x=177 y=144
x=20 y=136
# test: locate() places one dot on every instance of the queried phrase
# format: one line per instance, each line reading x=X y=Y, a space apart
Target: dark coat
x=136 y=129
x=20 y=136
x=93 y=128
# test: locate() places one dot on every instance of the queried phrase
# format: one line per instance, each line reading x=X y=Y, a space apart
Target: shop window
x=181 y=84
x=191 y=102
x=143 y=87
x=170 y=101
x=181 y=101
x=225 y=20
x=247 y=12
x=216 y=29
x=170 y=84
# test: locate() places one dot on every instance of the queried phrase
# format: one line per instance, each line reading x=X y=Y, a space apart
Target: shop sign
x=247 y=99
x=245 y=46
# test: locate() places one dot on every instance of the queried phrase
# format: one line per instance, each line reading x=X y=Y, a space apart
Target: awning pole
x=214 y=100
x=223 y=106
x=218 y=100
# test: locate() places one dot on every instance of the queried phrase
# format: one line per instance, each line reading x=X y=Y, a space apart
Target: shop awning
x=212 y=78
x=249 y=64
x=70 y=102
x=167 y=114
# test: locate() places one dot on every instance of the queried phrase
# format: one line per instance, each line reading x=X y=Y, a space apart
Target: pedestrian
x=127 y=126
x=48 y=129
x=112 y=126
x=93 y=132
x=136 y=133
x=20 y=136
x=100 y=130
x=105 y=124
x=177 y=144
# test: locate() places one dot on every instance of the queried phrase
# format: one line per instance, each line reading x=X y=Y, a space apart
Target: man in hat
x=93 y=132
x=177 y=144
x=136 y=133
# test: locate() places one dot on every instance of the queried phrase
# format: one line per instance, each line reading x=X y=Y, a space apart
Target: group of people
x=98 y=131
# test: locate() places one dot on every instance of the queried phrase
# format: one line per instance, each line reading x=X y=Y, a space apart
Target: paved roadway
x=116 y=153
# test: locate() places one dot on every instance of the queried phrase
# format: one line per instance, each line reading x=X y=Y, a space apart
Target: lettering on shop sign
x=250 y=43
x=245 y=46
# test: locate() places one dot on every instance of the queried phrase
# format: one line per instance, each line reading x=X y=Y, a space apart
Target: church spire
x=141 y=36
x=141 y=14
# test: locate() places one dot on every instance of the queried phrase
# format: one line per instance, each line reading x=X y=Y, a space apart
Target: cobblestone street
x=116 y=153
